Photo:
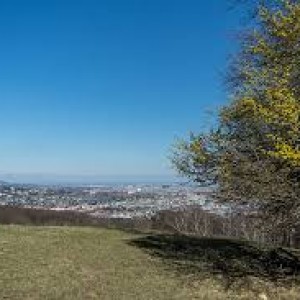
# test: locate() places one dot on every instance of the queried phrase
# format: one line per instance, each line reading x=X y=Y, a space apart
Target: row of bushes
x=30 y=216
x=187 y=220
x=45 y=217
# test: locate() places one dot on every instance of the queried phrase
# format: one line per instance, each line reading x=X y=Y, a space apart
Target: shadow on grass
x=233 y=260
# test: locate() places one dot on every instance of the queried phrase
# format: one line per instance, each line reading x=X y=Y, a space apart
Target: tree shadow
x=231 y=260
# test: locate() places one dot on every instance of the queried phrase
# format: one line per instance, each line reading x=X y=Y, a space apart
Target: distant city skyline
x=102 y=88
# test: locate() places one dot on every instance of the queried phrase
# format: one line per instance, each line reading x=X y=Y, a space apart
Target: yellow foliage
x=270 y=98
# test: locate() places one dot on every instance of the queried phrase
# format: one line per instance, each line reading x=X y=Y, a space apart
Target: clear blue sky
x=103 y=87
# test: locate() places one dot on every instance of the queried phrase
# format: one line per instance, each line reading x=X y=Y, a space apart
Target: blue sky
x=92 y=88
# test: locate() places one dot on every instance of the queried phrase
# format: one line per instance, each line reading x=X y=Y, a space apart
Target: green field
x=91 y=263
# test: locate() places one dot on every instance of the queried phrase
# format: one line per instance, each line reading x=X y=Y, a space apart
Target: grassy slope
x=78 y=263
x=89 y=263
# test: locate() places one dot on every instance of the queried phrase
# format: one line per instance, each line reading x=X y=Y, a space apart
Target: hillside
x=91 y=263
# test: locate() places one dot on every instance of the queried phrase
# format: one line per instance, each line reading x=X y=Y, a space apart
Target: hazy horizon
x=87 y=179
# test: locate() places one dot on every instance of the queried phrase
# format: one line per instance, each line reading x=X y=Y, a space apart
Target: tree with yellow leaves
x=253 y=158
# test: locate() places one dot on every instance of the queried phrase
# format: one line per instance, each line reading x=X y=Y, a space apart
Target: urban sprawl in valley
x=111 y=201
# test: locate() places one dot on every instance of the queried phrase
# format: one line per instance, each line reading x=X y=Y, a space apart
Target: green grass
x=91 y=263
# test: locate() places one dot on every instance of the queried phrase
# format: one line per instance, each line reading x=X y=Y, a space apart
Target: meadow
x=94 y=263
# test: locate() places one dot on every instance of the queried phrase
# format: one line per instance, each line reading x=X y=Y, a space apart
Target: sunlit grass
x=91 y=263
